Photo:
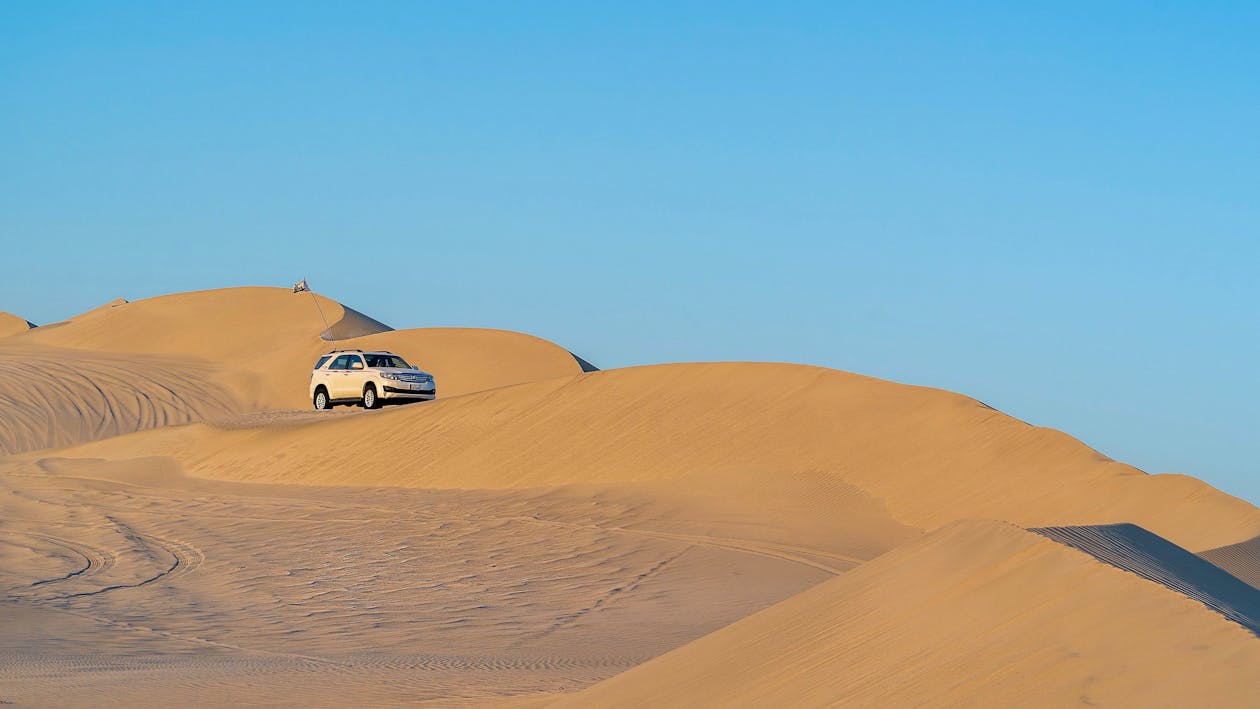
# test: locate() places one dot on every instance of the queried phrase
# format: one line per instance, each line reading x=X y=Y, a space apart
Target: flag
x=301 y=287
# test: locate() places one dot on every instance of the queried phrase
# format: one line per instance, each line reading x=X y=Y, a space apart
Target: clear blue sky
x=1054 y=209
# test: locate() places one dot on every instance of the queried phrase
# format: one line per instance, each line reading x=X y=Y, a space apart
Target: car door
x=336 y=382
x=356 y=377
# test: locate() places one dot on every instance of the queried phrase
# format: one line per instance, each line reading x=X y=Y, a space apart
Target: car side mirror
x=356 y=365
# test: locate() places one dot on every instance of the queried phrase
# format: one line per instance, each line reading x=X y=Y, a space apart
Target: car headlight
x=391 y=375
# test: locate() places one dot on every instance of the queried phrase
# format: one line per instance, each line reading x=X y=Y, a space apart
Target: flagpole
x=321 y=310
x=302 y=285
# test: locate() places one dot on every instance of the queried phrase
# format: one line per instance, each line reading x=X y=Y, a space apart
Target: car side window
x=321 y=361
x=356 y=362
x=342 y=362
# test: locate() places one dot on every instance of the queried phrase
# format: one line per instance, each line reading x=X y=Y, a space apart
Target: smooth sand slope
x=977 y=613
x=11 y=324
x=770 y=534
x=927 y=456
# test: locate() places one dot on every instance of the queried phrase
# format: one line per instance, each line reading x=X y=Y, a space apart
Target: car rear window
x=321 y=361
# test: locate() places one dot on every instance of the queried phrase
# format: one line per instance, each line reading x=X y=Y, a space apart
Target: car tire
x=321 y=400
x=370 y=400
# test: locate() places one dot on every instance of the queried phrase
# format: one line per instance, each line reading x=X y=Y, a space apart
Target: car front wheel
x=369 y=398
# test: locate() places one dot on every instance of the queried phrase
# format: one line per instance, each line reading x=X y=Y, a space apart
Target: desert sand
x=178 y=529
x=11 y=324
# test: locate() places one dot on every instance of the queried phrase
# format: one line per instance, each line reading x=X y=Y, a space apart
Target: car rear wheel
x=369 y=397
x=322 y=403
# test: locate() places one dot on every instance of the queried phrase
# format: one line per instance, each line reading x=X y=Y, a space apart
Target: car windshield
x=382 y=360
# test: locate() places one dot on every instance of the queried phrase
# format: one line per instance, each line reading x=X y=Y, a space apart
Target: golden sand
x=178 y=529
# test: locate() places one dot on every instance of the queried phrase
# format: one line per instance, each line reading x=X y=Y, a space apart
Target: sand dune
x=1241 y=559
x=11 y=324
x=466 y=360
x=978 y=613
x=694 y=534
x=53 y=397
x=1133 y=549
x=928 y=456
x=263 y=341
x=351 y=324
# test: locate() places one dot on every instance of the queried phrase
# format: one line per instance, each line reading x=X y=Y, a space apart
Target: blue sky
x=1053 y=209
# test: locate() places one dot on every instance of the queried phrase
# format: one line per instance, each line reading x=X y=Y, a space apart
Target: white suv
x=367 y=378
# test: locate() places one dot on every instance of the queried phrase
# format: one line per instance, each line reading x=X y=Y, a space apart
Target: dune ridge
x=977 y=613
x=1133 y=549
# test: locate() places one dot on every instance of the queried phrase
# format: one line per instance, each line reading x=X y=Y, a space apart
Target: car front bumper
x=400 y=392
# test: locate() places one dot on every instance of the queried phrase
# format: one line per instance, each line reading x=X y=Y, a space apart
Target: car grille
x=417 y=378
x=395 y=390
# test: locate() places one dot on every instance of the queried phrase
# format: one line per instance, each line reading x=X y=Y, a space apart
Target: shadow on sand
x=1134 y=549
x=586 y=366
x=353 y=324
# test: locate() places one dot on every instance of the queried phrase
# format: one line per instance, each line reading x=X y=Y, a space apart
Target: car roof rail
x=336 y=351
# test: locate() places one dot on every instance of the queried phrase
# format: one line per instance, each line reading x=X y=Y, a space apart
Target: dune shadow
x=586 y=366
x=44 y=328
x=353 y=324
x=1134 y=549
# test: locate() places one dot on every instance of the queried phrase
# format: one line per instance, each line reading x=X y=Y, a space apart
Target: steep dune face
x=264 y=341
x=928 y=456
x=977 y=613
x=12 y=325
x=353 y=324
